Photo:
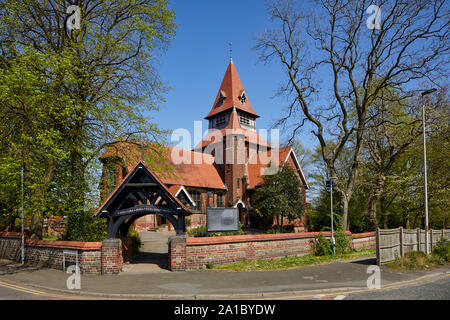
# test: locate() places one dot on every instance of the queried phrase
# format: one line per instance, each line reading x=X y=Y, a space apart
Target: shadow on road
x=159 y=259
x=12 y=267
x=367 y=262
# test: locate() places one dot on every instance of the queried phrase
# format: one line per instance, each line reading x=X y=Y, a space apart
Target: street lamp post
x=330 y=185
x=427 y=236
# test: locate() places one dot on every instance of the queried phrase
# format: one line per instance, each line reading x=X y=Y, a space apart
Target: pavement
x=149 y=279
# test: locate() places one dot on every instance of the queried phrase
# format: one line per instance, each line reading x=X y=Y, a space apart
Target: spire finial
x=231 y=52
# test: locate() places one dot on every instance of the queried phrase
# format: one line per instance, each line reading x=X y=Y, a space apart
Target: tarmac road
x=436 y=290
x=148 y=279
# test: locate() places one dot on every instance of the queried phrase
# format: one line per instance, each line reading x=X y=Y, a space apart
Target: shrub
x=136 y=242
x=197 y=232
x=201 y=232
x=322 y=246
x=442 y=250
x=83 y=226
x=187 y=222
x=342 y=242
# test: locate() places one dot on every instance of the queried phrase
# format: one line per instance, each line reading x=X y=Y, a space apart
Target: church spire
x=231 y=93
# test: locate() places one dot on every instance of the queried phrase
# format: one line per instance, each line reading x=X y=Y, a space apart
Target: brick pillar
x=177 y=253
x=111 y=256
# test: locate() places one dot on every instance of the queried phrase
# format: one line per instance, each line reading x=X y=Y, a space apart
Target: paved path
x=153 y=257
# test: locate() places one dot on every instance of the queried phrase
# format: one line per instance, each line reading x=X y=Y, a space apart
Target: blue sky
x=199 y=55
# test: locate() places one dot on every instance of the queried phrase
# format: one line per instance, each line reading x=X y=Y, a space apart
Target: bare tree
x=336 y=66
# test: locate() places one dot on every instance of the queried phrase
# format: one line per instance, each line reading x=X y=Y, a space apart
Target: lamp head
x=428 y=91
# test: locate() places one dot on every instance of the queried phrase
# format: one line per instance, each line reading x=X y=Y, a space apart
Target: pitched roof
x=258 y=165
x=139 y=165
x=189 y=168
x=176 y=189
x=233 y=123
x=231 y=88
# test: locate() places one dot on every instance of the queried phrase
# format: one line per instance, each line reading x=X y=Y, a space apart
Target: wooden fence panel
x=394 y=243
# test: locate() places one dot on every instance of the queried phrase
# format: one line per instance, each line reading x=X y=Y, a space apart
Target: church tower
x=233 y=119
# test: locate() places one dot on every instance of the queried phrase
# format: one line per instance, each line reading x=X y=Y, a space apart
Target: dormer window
x=243 y=97
x=222 y=97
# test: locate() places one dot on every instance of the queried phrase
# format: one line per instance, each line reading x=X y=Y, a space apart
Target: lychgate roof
x=141 y=193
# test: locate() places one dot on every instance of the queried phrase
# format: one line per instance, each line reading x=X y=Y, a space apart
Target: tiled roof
x=259 y=162
x=112 y=195
x=198 y=169
x=232 y=89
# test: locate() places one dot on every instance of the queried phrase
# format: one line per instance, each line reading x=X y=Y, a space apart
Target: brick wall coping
x=13 y=235
x=363 y=235
x=77 y=245
x=191 y=241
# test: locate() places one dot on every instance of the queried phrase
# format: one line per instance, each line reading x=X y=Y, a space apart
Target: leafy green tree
x=392 y=129
x=91 y=87
x=280 y=195
x=29 y=136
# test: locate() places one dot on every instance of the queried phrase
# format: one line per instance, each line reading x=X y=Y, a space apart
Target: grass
x=418 y=261
x=289 y=262
x=54 y=238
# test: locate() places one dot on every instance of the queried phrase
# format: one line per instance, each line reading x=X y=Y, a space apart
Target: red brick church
x=223 y=170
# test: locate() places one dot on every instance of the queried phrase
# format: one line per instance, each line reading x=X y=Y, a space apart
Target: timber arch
x=141 y=193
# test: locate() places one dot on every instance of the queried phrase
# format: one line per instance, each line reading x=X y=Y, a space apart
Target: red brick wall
x=93 y=257
x=195 y=253
x=362 y=241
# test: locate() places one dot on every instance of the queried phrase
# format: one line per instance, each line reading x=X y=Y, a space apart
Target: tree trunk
x=38 y=210
x=344 y=212
x=374 y=199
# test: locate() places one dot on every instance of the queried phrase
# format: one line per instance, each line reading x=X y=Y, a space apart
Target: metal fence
x=394 y=243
